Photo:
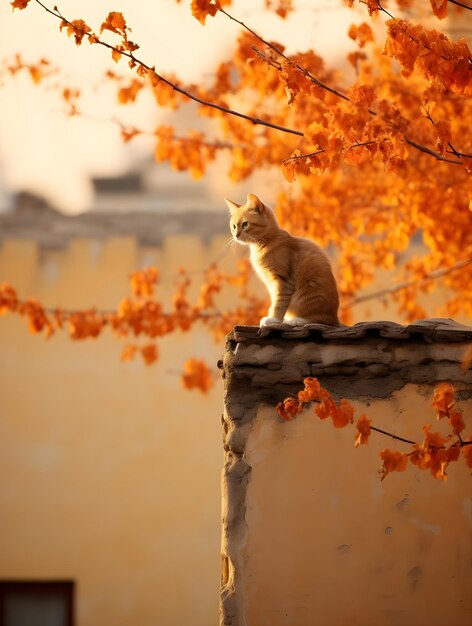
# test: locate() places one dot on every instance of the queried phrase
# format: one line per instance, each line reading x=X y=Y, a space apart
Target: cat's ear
x=232 y=206
x=254 y=203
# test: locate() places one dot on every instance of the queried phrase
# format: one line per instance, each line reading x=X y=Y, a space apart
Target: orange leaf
x=115 y=55
x=343 y=415
x=128 y=94
x=143 y=281
x=363 y=431
x=8 y=298
x=288 y=409
x=392 y=461
x=114 y=22
x=467 y=452
x=202 y=8
x=439 y=8
x=362 y=95
x=128 y=353
x=317 y=134
x=150 y=353
x=19 y=4
x=443 y=399
x=362 y=34
x=456 y=420
x=78 y=28
x=197 y=375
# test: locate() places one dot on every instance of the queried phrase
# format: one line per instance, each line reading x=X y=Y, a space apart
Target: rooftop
x=369 y=359
x=430 y=330
x=35 y=220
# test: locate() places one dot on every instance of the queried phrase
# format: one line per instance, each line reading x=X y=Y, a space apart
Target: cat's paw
x=297 y=321
x=270 y=321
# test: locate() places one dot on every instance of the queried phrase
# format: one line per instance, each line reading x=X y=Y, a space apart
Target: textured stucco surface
x=310 y=534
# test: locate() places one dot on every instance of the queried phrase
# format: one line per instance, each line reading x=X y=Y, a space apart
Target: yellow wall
x=328 y=543
x=110 y=472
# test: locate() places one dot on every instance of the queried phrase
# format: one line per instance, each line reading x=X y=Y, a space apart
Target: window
x=32 y=603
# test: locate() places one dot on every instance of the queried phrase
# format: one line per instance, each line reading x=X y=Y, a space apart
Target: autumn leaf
x=362 y=34
x=456 y=421
x=149 y=353
x=443 y=399
x=392 y=461
x=362 y=95
x=128 y=353
x=77 y=28
x=143 y=281
x=115 y=22
x=289 y=167
x=439 y=8
x=128 y=94
x=288 y=408
x=115 y=55
x=201 y=9
x=36 y=74
x=281 y=7
x=343 y=415
x=363 y=431
x=197 y=375
x=8 y=298
x=312 y=390
x=19 y=4
x=467 y=452
x=434 y=453
x=317 y=134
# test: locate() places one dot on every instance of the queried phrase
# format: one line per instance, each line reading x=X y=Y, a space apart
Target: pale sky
x=44 y=150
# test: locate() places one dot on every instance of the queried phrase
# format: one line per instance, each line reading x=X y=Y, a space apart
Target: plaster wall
x=329 y=543
x=110 y=471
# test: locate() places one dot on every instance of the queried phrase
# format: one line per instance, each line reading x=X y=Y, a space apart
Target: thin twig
x=387 y=292
x=384 y=432
x=459 y=4
x=302 y=69
x=452 y=149
x=321 y=150
x=381 y=8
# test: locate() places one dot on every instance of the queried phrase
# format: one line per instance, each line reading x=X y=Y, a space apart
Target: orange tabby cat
x=295 y=271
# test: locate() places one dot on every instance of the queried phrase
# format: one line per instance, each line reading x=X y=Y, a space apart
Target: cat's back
x=304 y=251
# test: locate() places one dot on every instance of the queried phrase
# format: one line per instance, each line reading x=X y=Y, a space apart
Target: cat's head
x=252 y=222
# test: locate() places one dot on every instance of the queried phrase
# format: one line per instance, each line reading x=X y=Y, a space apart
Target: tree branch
x=333 y=91
x=169 y=83
x=257 y=121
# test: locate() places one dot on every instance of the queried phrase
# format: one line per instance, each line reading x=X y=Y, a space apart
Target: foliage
x=434 y=453
x=372 y=157
x=394 y=145
x=143 y=315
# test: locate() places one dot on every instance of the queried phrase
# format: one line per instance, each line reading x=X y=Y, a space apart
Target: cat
x=295 y=271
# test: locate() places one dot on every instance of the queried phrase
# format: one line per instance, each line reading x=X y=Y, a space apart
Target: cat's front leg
x=281 y=293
